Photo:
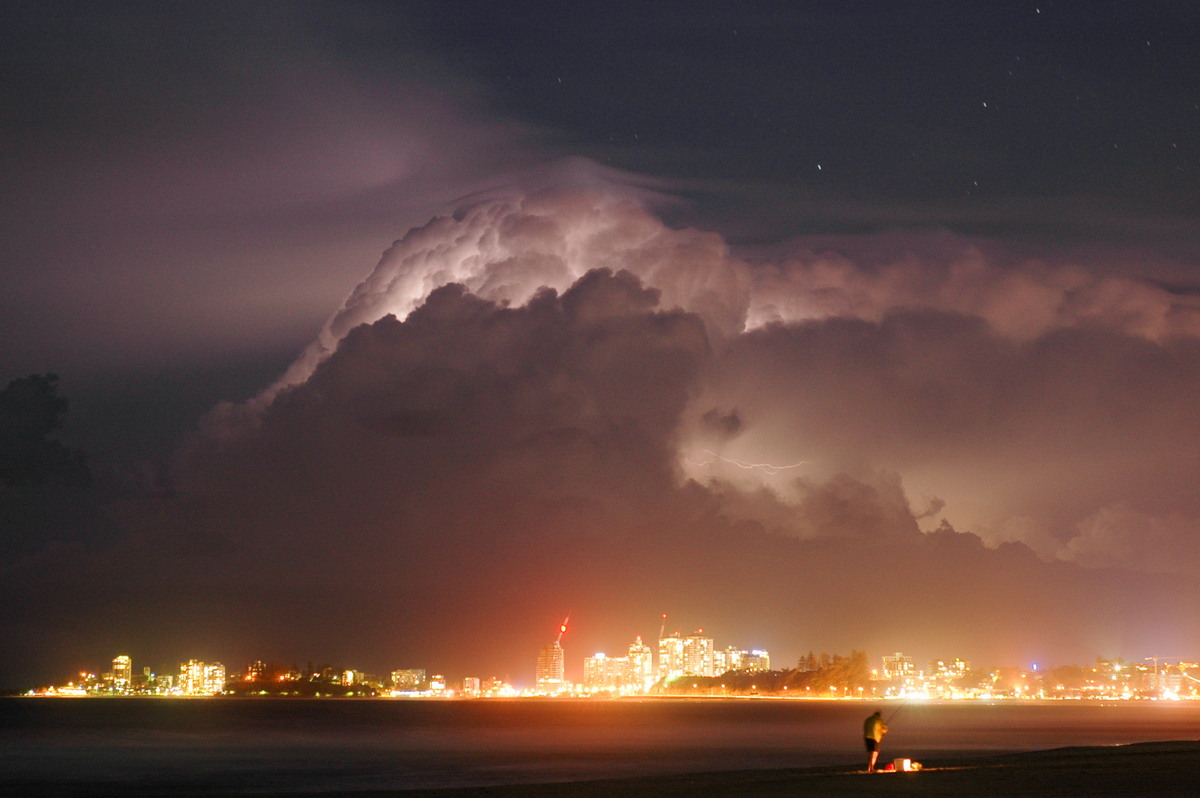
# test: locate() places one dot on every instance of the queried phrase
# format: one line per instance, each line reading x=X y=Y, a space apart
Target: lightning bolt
x=766 y=468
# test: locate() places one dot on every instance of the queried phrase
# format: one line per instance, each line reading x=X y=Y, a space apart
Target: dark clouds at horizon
x=986 y=390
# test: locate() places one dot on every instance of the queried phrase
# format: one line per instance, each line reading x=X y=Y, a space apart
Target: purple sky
x=816 y=328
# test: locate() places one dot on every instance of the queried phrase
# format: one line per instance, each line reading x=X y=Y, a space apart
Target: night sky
x=393 y=332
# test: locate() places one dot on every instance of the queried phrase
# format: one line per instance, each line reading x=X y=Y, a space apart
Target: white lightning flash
x=766 y=468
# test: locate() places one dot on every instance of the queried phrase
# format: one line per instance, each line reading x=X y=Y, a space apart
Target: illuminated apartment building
x=949 y=669
x=408 y=680
x=191 y=677
x=604 y=673
x=697 y=655
x=550 y=676
x=737 y=659
x=640 y=666
x=201 y=678
x=122 y=674
x=626 y=675
x=756 y=660
x=670 y=657
x=494 y=685
x=214 y=678
x=690 y=655
x=897 y=666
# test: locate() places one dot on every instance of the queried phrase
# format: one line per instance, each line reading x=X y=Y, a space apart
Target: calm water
x=257 y=745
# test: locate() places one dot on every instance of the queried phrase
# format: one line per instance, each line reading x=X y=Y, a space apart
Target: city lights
x=682 y=665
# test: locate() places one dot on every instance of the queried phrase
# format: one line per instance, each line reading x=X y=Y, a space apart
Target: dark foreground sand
x=1150 y=769
x=1144 y=769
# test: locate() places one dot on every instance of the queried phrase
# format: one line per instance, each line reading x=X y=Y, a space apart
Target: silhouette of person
x=873 y=730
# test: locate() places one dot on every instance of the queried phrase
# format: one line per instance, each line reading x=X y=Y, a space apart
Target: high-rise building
x=641 y=666
x=604 y=673
x=697 y=655
x=191 y=677
x=625 y=675
x=670 y=657
x=689 y=655
x=214 y=678
x=122 y=674
x=550 y=676
x=201 y=678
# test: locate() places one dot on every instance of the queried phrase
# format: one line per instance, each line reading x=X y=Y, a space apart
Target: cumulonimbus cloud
x=928 y=360
x=556 y=398
x=507 y=247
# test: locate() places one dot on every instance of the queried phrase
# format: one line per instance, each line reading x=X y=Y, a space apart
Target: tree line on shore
x=814 y=674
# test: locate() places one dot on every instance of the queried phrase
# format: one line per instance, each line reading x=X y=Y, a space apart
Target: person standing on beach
x=873 y=730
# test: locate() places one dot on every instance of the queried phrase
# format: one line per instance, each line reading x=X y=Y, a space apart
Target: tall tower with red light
x=551 y=667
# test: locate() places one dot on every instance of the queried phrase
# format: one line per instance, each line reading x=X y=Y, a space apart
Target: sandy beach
x=1159 y=769
x=1151 y=769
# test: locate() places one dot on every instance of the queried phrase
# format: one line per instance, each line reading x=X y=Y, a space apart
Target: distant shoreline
x=883 y=701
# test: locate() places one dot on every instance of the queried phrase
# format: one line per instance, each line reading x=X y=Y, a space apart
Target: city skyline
x=649 y=672
x=397 y=333
x=674 y=657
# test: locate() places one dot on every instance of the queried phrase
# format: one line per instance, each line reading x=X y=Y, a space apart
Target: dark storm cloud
x=1021 y=440
x=46 y=493
x=459 y=465
x=558 y=413
x=721 y=425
